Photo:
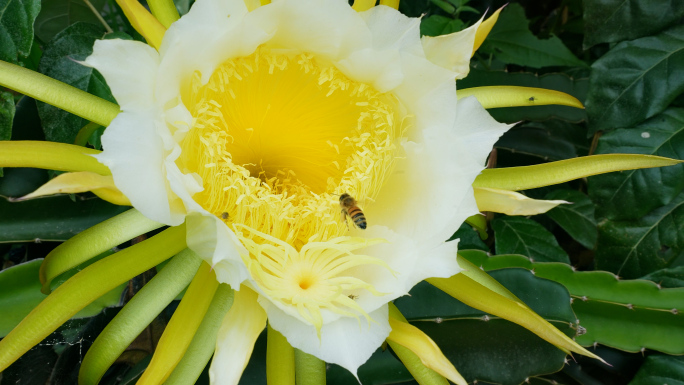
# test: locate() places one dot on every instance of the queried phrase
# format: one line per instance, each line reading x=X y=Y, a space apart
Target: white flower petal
x=134 y=152
x=214 y=242
x=476 y=129
x=347 y=342
x=452 y=51
x=130 y=68
x=391 y=29
x=410 y=261
x=235 y=341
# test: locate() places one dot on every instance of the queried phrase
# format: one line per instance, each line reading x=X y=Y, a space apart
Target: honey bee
x=351 y=210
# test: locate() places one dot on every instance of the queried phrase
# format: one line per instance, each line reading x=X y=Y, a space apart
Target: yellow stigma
x=276 y=139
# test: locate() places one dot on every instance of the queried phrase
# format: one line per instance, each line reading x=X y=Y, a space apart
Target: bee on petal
x=351 y=209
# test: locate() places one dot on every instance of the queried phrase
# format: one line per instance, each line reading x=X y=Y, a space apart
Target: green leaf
x=635 y=248
x=487 y=348
x=57 y=15
x=575 y=86
x=627 y=315
x=469 y=238
x=437 y=25
x=512 y=42
x=517 y=235
x=577 y=219
x=636 y=80
x=632 y=194
x=20 y=293
x=673 y=277
x=610 y=21
x=52 y=219
x=74 y=43
x=660 y=369
x=550 y=140
x=16 y=28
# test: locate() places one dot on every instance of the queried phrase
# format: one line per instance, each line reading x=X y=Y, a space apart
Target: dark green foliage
x=635 y=248
x=576 y=218
x=660 y=369
x=636 y=80
x=512 y=42
x=517 y=235
x=16 y=28
x=632 y=194
x=60 y=62
x=610 y=21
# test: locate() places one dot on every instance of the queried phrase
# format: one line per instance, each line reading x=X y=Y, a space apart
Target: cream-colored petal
x=391 y=34
x=511 y=203
x=72 y=182
x=235 y=341
x=452 y=51
x=130 y=68
x=346 y=342
x=410 y=262
x=135 y=154
x=212 y=240
x=390 y=29
x=425 y=348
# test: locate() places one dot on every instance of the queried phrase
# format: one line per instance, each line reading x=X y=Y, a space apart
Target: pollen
x=277 y=138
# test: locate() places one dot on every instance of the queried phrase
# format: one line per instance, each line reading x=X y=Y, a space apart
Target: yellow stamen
x=276 y=139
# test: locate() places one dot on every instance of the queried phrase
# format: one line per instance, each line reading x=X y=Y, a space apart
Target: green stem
x=540 y=175
x=309 y=370
x=84 y=133
x=280 y=359
x=92 y=242
x=58 y=94
x=137 y=314
x=85 y=287
x=164 y=10
x=50 y=156
x=203 y=343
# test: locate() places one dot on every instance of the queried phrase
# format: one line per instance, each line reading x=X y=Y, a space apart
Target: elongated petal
x=511 y=203
x=527 y=177
x=390 y=3
x=143 y=22
x=164 y=10
x=136 y=154
x=512 y=96
x=452 y=51
x=212 y=240
x=181 y=329
x=138 y=313
x=76 y=182
x=495 y=299
x=484 y=29
x=280 y=359
x=203 y=343
x=50 y=156
x=238 y=333
x=131 y=76
x=93 y=241
x=58 y=94
x=421 y=345
x=363 y=5
x=86 y=286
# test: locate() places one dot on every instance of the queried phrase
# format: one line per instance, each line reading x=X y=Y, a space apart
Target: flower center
x=277 y=138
